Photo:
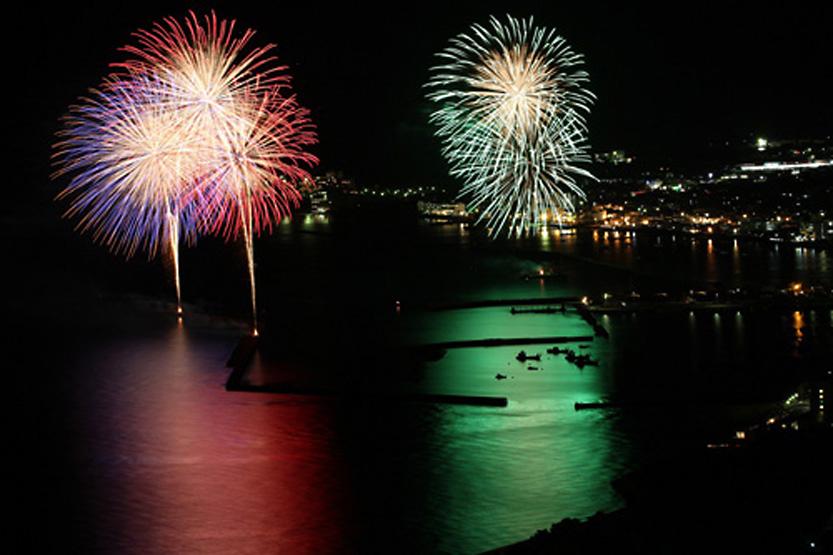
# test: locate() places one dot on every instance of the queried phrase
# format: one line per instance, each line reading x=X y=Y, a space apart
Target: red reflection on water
x=183 y=466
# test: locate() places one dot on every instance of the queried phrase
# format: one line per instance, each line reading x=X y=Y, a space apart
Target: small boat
x=532 y=368
x=583 y=360
x=500 y=376
x=522 y=357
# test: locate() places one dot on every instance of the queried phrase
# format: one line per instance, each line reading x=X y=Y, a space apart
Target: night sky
x=668 y=81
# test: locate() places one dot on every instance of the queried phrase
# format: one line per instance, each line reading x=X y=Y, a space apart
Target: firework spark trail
x=173 y=238
x=246 y=208
x=512 y=108
x=193 y=132
x=256 y=166
x=130 y=163
x=254 y=172
x=254 y=133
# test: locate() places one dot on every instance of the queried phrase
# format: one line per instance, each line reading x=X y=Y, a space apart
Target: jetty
x=365 y=396
x=539 y=310
x=500 y=342
x=244 y=352
x=538 y=301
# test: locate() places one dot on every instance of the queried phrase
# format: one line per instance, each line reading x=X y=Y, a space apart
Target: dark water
x=129 y=443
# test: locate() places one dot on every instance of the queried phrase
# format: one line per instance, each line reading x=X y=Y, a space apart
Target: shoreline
x=740 y=496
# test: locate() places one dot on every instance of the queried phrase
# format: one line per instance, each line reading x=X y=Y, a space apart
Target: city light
x=761 y=143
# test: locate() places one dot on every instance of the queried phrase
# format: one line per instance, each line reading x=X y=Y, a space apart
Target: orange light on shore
x=254 y=333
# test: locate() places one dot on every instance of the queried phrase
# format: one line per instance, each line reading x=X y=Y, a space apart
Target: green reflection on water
x=500 y=474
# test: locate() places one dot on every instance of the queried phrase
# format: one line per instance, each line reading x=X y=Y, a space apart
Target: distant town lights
x=785 y=166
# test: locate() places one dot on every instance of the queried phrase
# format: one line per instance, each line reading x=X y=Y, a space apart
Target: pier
x=543 y=309
x=237 y=384
x=538 y=301
x=588 y=317
x=245 y=349
x=499 y=342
